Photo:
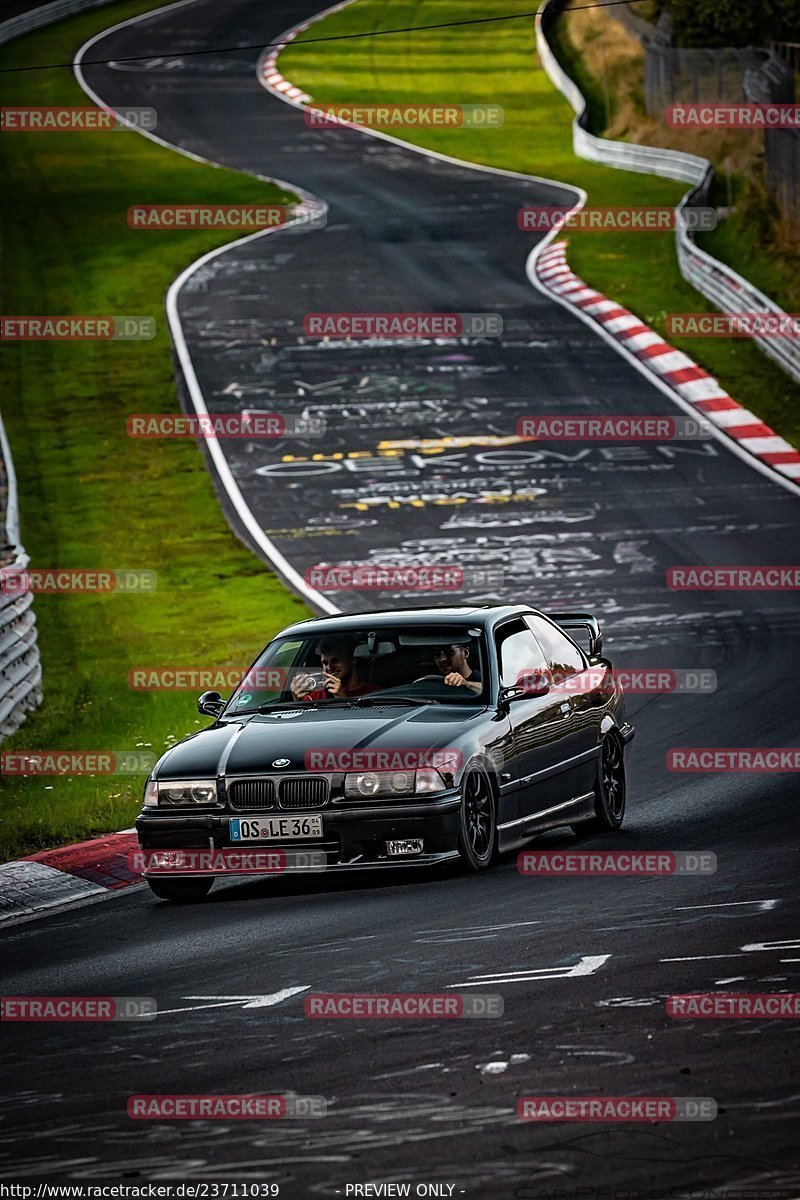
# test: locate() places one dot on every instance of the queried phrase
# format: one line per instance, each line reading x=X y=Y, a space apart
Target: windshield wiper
x=345 y=702
x=274 y=706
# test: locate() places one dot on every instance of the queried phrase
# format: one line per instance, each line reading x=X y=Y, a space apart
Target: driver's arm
x=454 y=679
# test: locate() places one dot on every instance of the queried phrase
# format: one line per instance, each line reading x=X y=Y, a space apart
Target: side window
x=518 y=653
x=564 y=658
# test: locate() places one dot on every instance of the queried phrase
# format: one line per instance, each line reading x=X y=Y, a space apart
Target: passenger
x=340 y=674
x=452 y=662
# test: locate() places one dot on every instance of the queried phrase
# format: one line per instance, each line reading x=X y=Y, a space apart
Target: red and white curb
x=672 y=367
x=272 y=76
x=52 y=878
x=267 y=69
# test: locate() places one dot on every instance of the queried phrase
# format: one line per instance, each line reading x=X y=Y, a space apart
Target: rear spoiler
x=580 y=620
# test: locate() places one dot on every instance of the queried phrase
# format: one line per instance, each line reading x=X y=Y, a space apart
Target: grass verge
x=497 y=63
x=90 y=496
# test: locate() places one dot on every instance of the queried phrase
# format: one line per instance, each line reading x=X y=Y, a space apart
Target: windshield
x=443 y=663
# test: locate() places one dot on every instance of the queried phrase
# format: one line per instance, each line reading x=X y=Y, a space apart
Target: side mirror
x=210 y=704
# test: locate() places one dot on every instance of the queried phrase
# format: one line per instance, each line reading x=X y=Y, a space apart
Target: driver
x=452 y=662
x=340 y=673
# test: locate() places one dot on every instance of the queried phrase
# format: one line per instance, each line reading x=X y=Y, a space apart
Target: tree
x=698 y=23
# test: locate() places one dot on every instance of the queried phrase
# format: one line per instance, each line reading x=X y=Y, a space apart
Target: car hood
x=252 y=745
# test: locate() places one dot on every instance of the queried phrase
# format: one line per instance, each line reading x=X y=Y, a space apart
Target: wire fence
x=781 y=146
x=754 y=74
x=719 y=283
x=634 y=24
x=673 y=75
x=789 y=52
x=782 y=160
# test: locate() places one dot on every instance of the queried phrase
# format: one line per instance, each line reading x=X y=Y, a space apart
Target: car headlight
x=180 y=793
x=430 y=780
x=366 y=785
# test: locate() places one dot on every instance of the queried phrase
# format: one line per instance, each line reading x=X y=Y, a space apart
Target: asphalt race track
x=585 y=526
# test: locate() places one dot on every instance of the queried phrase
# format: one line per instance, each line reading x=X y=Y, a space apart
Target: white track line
x=265 y=544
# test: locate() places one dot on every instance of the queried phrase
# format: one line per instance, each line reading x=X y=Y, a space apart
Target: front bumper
x=353 y=838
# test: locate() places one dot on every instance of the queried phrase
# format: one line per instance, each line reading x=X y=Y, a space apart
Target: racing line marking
x=588 y=965
x=240 y=1001
x=764 y=905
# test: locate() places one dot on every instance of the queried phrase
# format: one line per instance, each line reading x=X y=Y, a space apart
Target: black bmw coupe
x=390 y=739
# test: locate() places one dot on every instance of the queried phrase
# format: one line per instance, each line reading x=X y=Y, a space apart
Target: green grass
x=497 y=63
x=90 y=496
x=746 y=242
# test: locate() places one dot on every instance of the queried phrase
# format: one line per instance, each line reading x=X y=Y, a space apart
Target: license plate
x=269 y=829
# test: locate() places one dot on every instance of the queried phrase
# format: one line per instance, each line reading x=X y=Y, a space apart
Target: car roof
x=484 y=616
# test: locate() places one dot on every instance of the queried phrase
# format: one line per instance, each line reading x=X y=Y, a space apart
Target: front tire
x=477 y=832
x=610 y=790
x=181 y=891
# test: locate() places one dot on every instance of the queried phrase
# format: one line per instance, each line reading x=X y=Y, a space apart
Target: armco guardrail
x=45 y=14
x=719 y=283
x=20 y=666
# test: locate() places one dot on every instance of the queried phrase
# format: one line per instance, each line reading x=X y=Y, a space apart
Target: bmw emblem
x=281 y=762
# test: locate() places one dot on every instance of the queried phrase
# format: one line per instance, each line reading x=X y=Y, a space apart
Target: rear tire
x=181 y=891
x=609 y=790
x=477 y=821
